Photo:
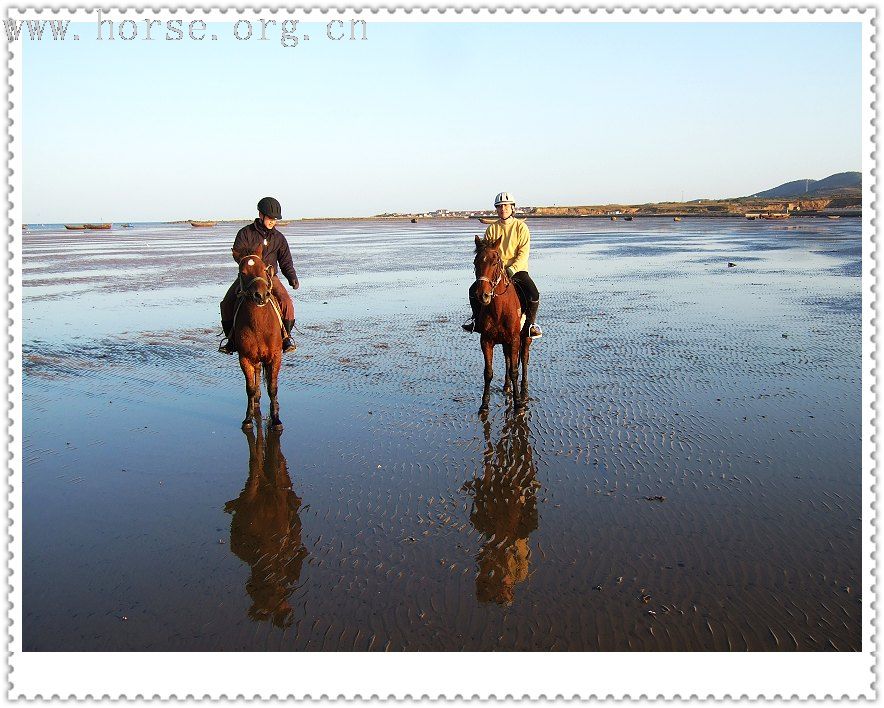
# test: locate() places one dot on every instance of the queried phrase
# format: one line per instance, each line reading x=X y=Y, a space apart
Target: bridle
x=241 y=294
x=501 y=275
x=243 y=289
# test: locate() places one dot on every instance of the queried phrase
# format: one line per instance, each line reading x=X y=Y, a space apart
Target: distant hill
x=843 y=183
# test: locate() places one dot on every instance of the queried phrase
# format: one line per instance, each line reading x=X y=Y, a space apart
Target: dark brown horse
x=257 y=332
x=500 y=321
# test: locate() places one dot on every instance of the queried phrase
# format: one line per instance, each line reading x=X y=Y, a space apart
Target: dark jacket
x=275 y=249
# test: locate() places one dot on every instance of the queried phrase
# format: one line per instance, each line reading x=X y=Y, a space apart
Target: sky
x=420 y=117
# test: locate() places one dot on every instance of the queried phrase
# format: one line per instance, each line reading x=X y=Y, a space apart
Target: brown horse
x=257 y=332
x=500 y=321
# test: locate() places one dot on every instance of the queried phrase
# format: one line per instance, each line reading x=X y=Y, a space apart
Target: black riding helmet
x=269 y=206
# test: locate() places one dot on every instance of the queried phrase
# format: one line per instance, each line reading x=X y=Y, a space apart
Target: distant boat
x=774 y=215
x=75 y=227
x=752 y=216
x=628 y=218
x=613 y=218
x=125 y=226
x=202 y=224
x=414 y=221
x=100 y=227
x=676 y=218
x=286 y=222
x=833 y=216
x=494 y=219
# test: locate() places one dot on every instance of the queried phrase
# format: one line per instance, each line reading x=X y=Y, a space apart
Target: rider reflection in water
x=265 y=531
x=504 y=511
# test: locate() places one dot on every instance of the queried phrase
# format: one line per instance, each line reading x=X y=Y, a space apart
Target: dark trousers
x=525 y=288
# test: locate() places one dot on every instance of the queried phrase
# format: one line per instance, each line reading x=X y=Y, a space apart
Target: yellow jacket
x=515 y=243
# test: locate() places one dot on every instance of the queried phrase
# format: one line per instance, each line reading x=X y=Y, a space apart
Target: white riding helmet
x=504 y=198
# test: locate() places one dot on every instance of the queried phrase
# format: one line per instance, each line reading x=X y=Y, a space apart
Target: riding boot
x=531 y=328
x=472 y=325
x=288 y=345
x=227 y=346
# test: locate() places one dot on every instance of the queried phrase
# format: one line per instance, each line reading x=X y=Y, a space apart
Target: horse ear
x=478 y=241
x=496 y=244
x=237 y=256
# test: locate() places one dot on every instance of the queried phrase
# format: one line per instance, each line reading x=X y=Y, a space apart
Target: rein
x=243 y=288
x=501 y=275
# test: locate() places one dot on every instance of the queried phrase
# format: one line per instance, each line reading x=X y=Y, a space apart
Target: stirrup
x=469 y=325
x=535 y=328
x=288 y=345
x=226 y=347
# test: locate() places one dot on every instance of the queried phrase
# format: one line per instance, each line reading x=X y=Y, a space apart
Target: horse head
x=255 y=277
x=489 y=268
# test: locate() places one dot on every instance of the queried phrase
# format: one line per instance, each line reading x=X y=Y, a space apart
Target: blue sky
x=427 y=116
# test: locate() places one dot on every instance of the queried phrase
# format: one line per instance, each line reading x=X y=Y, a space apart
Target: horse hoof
x=247 y=424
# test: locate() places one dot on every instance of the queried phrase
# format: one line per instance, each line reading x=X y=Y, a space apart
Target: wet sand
x=686 y=476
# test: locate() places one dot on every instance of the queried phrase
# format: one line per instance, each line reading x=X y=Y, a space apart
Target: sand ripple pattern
x=686 y=476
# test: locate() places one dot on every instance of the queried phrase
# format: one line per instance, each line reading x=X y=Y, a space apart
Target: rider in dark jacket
x=275 y=252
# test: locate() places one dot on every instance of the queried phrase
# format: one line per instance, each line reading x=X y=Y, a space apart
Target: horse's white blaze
x=251 y=262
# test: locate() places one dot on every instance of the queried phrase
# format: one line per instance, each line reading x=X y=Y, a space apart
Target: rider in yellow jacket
x=515 y=246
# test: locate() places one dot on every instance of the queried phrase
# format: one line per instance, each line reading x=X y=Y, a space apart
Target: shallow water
x=388 y=515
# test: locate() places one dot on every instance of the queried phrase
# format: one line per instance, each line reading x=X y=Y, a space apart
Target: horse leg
x=526 y=355
x=507 y=379
x=518 y=403
x=271 y=378
x=488 y=353
x=248 y=370
x=256 y=402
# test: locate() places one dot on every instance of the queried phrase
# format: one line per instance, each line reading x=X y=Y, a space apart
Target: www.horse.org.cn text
x=286 y=32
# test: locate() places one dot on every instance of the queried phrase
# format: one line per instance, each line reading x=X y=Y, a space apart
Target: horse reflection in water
x=265 y=531
x=504 y=511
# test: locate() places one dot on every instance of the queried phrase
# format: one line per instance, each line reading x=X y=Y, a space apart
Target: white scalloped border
x=537 y=676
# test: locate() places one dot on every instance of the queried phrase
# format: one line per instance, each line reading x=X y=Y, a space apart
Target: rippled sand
x=686 y=476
